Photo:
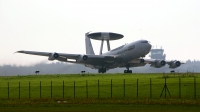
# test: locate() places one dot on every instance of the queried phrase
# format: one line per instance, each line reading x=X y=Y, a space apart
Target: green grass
x=51 y=105
x=104 y=108
x=119 y=90
x=124 y=97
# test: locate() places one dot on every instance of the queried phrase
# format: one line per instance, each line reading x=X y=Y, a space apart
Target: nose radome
x=150 y=46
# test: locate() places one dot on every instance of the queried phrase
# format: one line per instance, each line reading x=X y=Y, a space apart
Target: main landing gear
x=102 y=70
x=128 y=71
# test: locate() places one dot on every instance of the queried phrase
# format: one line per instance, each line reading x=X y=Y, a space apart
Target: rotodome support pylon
x=105 y=36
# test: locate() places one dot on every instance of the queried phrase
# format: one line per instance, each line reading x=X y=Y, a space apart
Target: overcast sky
x=60 y=26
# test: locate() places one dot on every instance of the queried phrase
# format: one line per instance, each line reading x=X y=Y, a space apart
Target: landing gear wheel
x=127 y=71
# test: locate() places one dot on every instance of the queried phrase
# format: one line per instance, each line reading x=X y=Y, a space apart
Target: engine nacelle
x=174 y=64
x=85 y=57
x=159 y=63
x=82 y=58
x=53 y=56
x=138 y=61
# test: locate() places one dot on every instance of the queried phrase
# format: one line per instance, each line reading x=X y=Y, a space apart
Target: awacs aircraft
x=128 y=55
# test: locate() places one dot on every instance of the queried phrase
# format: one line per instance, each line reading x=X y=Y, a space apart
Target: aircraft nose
x=150 y=46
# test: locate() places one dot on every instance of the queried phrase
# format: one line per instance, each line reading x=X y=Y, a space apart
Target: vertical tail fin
x=88 y=45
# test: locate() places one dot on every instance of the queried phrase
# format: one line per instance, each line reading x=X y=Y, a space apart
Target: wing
x=157 y=63
x=135 y=63
x=91 y=60
x=52 y=56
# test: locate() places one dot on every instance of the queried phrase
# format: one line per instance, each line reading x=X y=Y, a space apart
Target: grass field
x=98 y=105
x=104 y=108
x=99 y=86
x=100 y=92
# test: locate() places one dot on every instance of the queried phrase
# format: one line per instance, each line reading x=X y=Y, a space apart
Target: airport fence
x=126 y=88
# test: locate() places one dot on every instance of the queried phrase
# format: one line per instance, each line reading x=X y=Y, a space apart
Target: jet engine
x=53 y=56
x=85 y=57
x=82 y=58
x=174 y=64
x=138 y=61
x=159 y=63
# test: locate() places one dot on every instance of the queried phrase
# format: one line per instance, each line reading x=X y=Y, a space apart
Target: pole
x=63 y=89
x=86 y=89
x=194 y=87
x=137 y=88
x=74 y=89
x=51 y=89
x=179 y=87
x=98 y=89
x=19 y=90
x=124 y=88
x=150 y=89
x=8 y=91
x=40 y=89
x=111 y=88
x=29 y=90
x=165 y=88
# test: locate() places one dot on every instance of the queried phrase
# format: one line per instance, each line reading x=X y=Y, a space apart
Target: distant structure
x=83 y=72
x=157 y=53
x=37 y=72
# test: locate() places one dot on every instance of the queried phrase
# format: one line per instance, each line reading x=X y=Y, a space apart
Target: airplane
x=128 y=55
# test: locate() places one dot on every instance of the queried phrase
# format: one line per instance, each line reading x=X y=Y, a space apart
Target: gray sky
x=60 y=26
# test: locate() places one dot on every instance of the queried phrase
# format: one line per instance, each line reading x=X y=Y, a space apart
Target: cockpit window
x=144 y=41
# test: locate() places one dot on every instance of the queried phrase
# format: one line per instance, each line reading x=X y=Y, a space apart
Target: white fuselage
x=126 y=53
x=131 y=51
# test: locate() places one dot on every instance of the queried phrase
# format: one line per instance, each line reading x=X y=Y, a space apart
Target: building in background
x=157 y=53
